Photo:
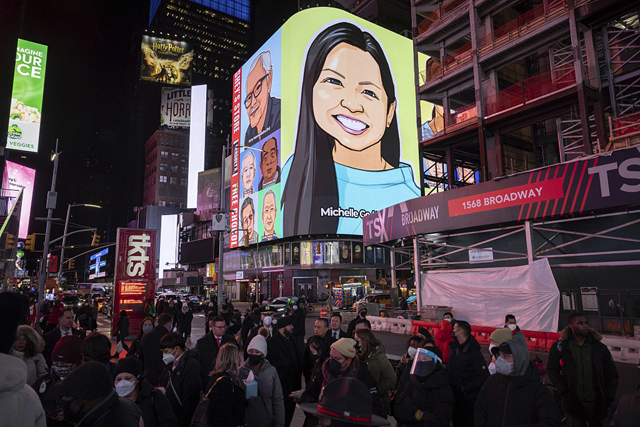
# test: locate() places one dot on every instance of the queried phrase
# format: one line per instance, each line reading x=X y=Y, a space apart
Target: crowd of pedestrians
x=249 y=373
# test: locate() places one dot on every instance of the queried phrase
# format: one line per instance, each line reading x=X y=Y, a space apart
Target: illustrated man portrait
x=248 y=220
x=248 y=173
x=269 y=213
x=269 y=164
x=263 y=109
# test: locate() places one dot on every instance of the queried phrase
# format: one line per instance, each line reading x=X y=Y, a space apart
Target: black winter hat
x=88 y=381
x=130 y=365
x=283 y=321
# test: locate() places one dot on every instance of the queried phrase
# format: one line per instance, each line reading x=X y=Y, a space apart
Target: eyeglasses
x=248 y=218
x=255 y=92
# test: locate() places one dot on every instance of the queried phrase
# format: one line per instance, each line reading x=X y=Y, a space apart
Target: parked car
x=382 y=299
x=71 y=301
x=196 y=302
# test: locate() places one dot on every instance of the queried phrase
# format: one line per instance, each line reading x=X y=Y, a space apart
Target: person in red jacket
x=53 y=317
x=444 y=336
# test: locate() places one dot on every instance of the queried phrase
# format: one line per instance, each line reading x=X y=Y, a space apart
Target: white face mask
x=512 y=326
x=448 y=320
x=492 y=368
x=491 y=346
x=168 y=358
x=503 y=367
x=411 y=351
x=267 y=321
x=147 y=328
x=124 y=388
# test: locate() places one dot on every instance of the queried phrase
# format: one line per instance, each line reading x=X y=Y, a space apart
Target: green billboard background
x=26 y=97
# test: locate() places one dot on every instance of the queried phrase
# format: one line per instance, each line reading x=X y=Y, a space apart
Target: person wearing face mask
x=184 y=382
x=444 y=336
x=427 y=398
x=510 y=322
x=298 y=318
x=496 y=338
x=150 y=353
x=66 y=356
x=250 y=321
x=581 y=368
x=267 y=409
x=515 y=395
x=89 y=400
x=315 y=353
x=84 y=316
x=154 y=405
x=173 y=310
x=286 y=358
x=147 y=326
x=467 y=373
x=267 y=321
x=361 y=317
x=342 y=363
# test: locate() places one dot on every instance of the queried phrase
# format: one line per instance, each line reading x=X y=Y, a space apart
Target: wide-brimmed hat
x=348 y=400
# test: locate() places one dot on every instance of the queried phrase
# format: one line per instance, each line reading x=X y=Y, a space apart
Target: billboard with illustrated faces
x=324 y=128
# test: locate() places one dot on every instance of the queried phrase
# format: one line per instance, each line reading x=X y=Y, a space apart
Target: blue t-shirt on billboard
x=368 y=190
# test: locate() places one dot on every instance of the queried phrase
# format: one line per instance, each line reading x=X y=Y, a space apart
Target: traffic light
x=30 y=244
x=72 y=264
x=11 y=241
x=96 y=239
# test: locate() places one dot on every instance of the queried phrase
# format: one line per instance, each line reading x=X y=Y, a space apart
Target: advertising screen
x=97 y=264
x=135 y=274
x=175 y=107
x=26 y=97
x=208 y=193
x=324 y=128
x=17 y=177
x=166 y=61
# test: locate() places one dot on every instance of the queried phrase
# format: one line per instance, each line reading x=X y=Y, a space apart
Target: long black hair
x=312 y=184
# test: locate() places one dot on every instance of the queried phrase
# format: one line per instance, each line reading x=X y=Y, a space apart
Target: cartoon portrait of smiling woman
x=347 y=155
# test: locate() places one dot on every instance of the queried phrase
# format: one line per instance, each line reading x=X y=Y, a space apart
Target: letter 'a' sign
x=135 y=277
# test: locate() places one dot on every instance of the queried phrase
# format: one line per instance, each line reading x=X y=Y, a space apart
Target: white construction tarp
x=484 y=296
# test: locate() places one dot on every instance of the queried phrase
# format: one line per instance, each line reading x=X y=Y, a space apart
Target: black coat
x=50 y=397
x=184 y=323
x=331 y=339
x=227 y=401
x=467 y=369
x=250 y=322
x=298 y=319
x=151 y=355
x=52 y=338
x=207 y=347
x=84 y=316
x=174 y=311
x=433 y=397
x=183 y=388
x=516 y=400
x=115 y=411
x=155 y=407
x=352 y=325
x=283 y=355
x=123 y=327
x=562 y=371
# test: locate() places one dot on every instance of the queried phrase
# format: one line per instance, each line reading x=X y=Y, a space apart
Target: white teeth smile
x=254 y=110
x=355 y=125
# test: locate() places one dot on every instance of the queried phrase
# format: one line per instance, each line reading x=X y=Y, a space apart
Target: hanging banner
x=26 y=97
x=604 y=181
x=135 y=274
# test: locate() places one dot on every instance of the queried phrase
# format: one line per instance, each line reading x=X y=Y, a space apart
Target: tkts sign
x=605 y=181
x=135 y=276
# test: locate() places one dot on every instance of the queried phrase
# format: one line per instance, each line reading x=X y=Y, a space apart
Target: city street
x=395 y=346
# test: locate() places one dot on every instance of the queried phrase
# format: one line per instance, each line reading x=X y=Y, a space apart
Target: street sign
x=20 y=246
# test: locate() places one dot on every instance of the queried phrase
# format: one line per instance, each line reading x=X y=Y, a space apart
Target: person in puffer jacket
x=514 y=395
x=426 y=399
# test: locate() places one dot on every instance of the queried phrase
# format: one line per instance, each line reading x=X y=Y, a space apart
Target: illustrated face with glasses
x=247 y=219
x=256 y=101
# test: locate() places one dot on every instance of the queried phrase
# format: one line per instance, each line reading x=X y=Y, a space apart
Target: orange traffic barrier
x=323 y=313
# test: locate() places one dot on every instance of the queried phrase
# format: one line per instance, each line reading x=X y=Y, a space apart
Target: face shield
x=424 y=363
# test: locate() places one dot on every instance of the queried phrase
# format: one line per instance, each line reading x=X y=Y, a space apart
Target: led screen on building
x=324 y=128
x=26 y=97
x=17 y=177
x=175 y=107
x=208 y=193
x=166 y=61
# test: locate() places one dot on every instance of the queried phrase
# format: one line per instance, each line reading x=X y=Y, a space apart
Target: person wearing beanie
x=66 y=356
x=28 y=347
x=496 y=338
x=342 y=363
x=19 y=404
x=154 y=405
x=284 y=355
x=515 y=395
x=89 y=399
x=426 y=398
x=268 y=408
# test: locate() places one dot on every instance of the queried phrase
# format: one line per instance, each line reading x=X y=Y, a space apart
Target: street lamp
x=66 y=226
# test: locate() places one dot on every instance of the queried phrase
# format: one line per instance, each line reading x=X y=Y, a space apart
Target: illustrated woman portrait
x=347 y=146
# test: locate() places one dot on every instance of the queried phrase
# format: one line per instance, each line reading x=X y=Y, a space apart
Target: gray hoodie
x=521 y=357
x=269 y=405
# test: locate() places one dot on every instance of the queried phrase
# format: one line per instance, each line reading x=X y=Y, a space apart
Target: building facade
x=166 y=169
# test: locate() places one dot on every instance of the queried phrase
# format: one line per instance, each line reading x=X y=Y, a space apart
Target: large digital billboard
x=208 y=193
x=324 y=128
x=26 y=97
x=17 y=177
x=175 y=107
x=166 y=61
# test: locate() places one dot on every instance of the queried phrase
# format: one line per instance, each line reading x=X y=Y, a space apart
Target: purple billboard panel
x=17 y=177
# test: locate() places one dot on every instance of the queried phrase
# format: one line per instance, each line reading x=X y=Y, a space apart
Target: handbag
x=201 y=415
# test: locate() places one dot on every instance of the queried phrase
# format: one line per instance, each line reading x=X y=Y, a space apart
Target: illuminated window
x=163 y=178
